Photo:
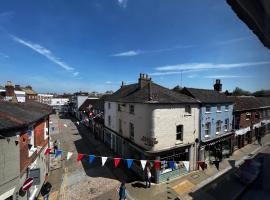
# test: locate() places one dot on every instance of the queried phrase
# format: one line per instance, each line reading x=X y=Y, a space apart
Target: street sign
x=27 y=184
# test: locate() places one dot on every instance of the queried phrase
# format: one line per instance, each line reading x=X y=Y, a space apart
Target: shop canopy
x=242 y=131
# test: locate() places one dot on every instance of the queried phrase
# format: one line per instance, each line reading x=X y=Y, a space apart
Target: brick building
x=24 y=137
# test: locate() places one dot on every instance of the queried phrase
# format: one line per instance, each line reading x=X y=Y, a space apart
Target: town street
x=80 y=180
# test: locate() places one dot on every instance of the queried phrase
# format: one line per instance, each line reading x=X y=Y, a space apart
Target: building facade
x=23 y=140
x=145 y=121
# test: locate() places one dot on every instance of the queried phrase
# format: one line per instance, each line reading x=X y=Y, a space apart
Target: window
x=31 y=140
x=207 y=129
x=218 y=127
x=226 y=107
x=248 y=116
x=131 y=109
x=226 y=125
x=257 y=115
x=188 y=109
x=131 y=131
x=119 y=107
x=218 y=108
x=208 y=109
x=120 y=126
x=109 y=120
x=109 y=105
x=179 y=132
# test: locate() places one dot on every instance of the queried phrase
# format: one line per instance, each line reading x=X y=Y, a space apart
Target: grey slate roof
x=99 y=105
x=15 y=115
x=245 y=103
x=133 y=94
x=206 y=95
x=87 y=103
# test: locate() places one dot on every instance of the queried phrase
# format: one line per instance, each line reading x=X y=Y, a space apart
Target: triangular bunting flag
x=16 y=142
x=143 y=163
x=69 y=154
x=186 y=164
x=47 y=151
x=116 y=161
x=129 y=162
x=157 y=164
x=30 y=146
x=79 y=157
x=91 y=158
x=171 y=164
x=103 y=160
x=58 y=153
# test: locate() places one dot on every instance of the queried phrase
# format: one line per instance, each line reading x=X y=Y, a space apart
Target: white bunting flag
x=65 y=125
x=143 y=162
x=103 y=159
x=69 y=154
x=78 y=123
x=186 y=163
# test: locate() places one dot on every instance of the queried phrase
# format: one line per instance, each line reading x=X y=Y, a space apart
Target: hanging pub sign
x=149 y=141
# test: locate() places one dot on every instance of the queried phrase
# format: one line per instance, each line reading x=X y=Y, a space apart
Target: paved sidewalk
x=181 y=187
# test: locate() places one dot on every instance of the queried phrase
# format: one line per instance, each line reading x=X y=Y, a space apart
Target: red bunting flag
x=47 y=151
x=116 y=161
x=79 y=157
x=157 y=164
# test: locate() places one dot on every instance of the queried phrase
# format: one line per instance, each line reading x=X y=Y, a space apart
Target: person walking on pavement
x=122 y=191
x=55 y=146
x=46 y=188
x=259 y=139
x=148 y=177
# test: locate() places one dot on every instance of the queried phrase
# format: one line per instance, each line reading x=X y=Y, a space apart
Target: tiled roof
x=28 y=91
x=207 y=96
x=99 y=105
x=87 y=103
x=242 y=103
x=133 y=94
x=14 y=115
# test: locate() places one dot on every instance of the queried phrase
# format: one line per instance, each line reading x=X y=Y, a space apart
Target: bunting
x=171 y=164
x=186 y=164
x=157 y=164
x=91 y=158
x=143 y=163
x=69 y=154
x=47 y=151
x=58 y=153
x=30 y=146
x=129 y=162
x=80 y=156
x=116 y=161
x=103 y=160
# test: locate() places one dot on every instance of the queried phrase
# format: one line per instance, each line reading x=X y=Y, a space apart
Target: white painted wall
x=20 y=96
x=156 y=121
x=59 y=101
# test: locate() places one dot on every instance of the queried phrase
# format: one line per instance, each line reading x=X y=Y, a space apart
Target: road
x=228 y=185
x=81 y=180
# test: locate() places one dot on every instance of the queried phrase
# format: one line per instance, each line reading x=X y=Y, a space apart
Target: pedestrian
x=216 y=162
x=148 y=177
x=259 y=139
x=46 y=188
x=122 y=191
x=55 y=146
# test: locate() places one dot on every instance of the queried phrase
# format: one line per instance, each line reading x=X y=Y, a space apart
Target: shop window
x=131 y=109
x=226 y=125
x=218 y=127
x=208 y=109
x=226 y=107
x=179 y=132
x=131 y=131
x=248 y=116
x=207 y=129
x=119 y=107
x=109 y=120
x=218 y=108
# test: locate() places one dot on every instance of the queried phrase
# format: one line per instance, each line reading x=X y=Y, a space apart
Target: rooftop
x=87 y=104
x=244 y=103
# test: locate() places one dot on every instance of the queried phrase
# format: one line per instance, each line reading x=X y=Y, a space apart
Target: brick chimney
x=218 y=85
x=143 y=80
x=17 y=87
x=9 y=89
x=122 y=84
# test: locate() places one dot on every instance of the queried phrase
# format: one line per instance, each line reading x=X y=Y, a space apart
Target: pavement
x=79 y=180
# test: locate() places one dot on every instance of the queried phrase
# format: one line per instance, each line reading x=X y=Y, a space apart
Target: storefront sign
x=149 y=141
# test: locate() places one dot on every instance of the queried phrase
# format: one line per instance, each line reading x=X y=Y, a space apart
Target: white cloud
x=122 y=3
x=202 y=66
x=108 y=82
x=227 y=76
x=75 y=74
x=43 y=51
x=3 y=55
x=233 y=40
x=127 y=53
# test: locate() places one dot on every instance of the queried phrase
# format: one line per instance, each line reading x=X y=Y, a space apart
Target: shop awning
x=242 y=131
x=265 y=122
x=216 y=140
x=258 y=125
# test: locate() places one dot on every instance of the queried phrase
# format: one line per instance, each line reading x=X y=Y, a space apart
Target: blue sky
x=67 y=46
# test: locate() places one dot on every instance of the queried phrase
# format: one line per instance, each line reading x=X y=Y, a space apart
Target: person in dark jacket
x=122 y=191
x=46 y=188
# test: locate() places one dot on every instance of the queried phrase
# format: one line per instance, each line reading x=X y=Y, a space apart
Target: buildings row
x=24 y=135
x=145 y=121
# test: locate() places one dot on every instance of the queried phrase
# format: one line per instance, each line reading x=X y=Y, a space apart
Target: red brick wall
x=24 y=161
x=247 y=123
x=39 y=133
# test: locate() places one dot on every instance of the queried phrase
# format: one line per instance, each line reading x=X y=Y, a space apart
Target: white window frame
x=218 y=126
x=180 y=133
x=227 y=107
x=226 y=125
x=32 y=141
x=206 y=109
x=207 y=129
x=219 y=110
